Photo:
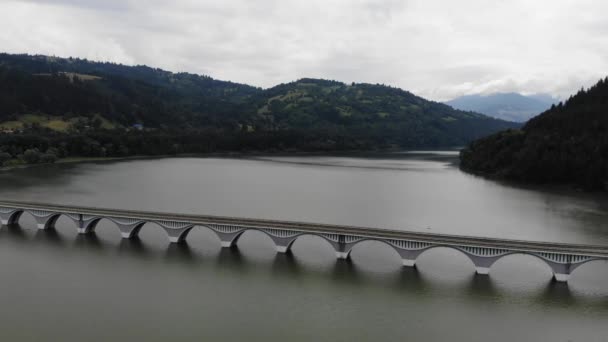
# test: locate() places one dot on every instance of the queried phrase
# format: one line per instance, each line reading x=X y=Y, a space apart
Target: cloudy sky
x=438 y=49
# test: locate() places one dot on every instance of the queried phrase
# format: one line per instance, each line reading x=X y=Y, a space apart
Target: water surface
x=60 y=286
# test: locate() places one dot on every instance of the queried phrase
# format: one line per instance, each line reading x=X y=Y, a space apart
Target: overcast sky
x=438 y=49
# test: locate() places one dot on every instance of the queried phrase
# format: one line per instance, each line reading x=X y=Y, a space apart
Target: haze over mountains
x=506 y=106
x=78 y=97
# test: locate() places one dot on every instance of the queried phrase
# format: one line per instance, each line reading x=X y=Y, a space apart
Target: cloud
x=90 y=4
x=434 y=48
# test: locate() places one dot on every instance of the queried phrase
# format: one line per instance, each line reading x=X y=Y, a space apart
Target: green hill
x=47 y=101
x=395 y=116
x=122 y=94
x=566 y=144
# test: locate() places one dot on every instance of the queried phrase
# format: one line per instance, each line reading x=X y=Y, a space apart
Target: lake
x=57 y=285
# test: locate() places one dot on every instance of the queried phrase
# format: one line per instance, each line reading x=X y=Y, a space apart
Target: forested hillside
x=111 y=109
x=566 y=144
x=394 y=116
x=123 y=94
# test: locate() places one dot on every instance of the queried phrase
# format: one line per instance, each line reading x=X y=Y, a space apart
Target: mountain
x=71 y=87
x=568 y=144
x=506 y=106
x=108 y=104
x=395 y=116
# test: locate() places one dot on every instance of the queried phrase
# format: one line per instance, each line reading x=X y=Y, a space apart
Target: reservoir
x=57 y=285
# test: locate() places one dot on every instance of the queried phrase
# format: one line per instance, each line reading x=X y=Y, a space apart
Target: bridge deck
x=377 y=233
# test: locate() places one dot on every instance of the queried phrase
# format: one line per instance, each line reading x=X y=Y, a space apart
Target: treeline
x=566 y=144
x=31 y=147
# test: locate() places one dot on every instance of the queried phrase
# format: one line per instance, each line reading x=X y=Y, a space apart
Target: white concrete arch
x=491 y=261
x=352 y=245
x=331 y=244
x=456 y=248
x=234 y=237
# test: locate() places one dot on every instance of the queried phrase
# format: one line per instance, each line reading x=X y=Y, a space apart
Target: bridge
x=563 y=259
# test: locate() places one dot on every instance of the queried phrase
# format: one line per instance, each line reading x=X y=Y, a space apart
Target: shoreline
x=79 y=160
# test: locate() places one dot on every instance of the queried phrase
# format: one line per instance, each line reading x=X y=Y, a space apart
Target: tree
x=4 y=157
x=31 y=156
x=48 y=158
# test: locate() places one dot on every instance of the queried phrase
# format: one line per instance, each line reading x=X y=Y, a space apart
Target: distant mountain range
x=506 y=106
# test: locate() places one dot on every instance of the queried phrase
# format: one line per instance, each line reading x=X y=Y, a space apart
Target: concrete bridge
x=563 y=259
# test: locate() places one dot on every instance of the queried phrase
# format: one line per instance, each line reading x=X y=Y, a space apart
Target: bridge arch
x=576 y=267
x=416 y=255
x=44 y=219
x=186 y=232
x=490 y=262
x=394 y=248
x=134 y=230
x=230 y=238
x=332 y=244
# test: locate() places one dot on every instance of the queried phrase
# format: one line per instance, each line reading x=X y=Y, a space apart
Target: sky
x=438 y=49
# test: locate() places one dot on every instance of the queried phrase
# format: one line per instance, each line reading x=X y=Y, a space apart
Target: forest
x=568 y=144
x=54 y=108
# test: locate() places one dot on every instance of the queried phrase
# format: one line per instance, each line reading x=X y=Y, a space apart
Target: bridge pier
x=342 y=248
x=228 y=240
x=176 y=231
x=408 y=262
x=129 y=228
x=84 y=230
x=561 y=272
x=408 y=256
x=177 y=235
x=482 y=270
x=282 y=244
x=85 y=224
x=483 y=263
x=342 y=255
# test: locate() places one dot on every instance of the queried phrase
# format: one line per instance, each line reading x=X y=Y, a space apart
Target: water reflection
x=286 y=265
x=49 y=236
x=134 y=248
x=90 y=241
x=230 y=258
x=482 y=287
x=180 y=253
x=14 y=231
